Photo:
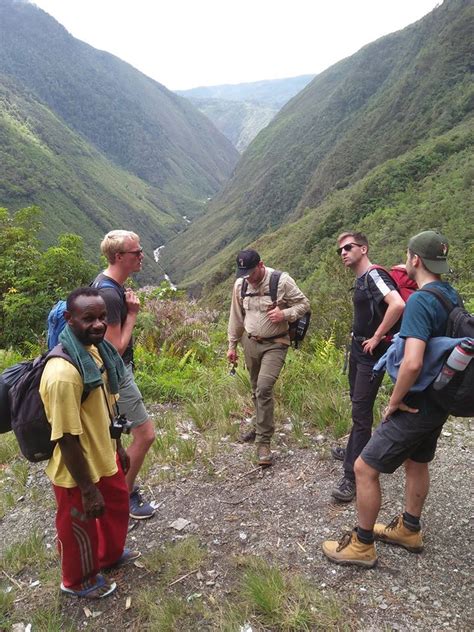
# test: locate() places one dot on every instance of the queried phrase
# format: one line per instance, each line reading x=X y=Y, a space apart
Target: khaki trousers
x=264 y=362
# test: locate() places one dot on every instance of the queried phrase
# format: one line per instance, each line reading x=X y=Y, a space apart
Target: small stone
x=180 y=524
x=243 y=536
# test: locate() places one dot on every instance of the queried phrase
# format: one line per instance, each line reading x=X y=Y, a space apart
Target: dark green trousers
x=264 y=362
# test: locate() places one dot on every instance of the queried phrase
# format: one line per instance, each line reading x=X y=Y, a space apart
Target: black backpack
x=297 y=329
x=22 y=409
x=457 y=397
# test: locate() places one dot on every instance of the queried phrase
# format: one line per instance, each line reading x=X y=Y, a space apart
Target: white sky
x=188 y=43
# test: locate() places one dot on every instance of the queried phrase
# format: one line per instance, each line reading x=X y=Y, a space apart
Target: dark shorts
x=405 y=436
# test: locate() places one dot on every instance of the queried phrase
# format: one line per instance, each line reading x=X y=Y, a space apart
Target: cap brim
x=436 y=267
x=243 y=272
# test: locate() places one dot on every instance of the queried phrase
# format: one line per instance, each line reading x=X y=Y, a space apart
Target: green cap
x=432 y=248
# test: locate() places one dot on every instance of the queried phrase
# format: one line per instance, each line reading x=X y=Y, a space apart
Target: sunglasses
x=137 y=253
x=347 y=247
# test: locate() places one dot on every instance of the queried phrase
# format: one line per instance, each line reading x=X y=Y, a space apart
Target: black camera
x=119 y=424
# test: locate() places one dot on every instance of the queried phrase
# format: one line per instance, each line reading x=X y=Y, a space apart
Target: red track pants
x=86 y=546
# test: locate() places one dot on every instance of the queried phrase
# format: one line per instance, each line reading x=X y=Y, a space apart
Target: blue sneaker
x=139 y=509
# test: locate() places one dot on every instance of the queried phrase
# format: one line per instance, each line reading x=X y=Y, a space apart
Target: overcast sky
x=189 y=43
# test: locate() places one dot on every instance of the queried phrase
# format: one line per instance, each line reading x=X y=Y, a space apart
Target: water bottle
x=457 y=360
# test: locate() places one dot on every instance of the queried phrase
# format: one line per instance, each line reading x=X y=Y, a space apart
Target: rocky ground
x=282 y=515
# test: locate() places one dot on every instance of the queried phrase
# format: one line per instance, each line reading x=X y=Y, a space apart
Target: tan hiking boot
x=264 y=455
x=397 y=533
x=350 y=550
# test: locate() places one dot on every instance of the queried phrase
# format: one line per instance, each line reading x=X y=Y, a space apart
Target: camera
x=119 y=424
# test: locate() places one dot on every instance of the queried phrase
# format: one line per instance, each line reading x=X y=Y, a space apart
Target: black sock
x=411 y=522
x=365 y=536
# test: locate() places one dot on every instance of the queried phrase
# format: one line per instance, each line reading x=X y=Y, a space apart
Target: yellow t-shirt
x=61 y=390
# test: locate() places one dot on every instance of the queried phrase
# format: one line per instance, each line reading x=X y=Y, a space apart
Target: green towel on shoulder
x=86 y=365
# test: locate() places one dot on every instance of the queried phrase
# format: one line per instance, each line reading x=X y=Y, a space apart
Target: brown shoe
x=350 y=550
x=249 y=436
x=397 y=533
x=264 y=455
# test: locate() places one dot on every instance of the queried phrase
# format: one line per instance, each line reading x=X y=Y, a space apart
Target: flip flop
x=127 y=556
x=101 y=587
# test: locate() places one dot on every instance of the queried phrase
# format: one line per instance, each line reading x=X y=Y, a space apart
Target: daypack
x=57 y=322
x=297 y=329
x=457 y=397
x=403 y=284
x=22 y=409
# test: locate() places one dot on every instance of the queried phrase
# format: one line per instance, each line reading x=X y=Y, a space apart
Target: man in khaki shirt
x=262 y=328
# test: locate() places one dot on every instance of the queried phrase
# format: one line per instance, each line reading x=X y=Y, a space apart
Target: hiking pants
x=86 y=546
x=264 y=362
x=363 y=393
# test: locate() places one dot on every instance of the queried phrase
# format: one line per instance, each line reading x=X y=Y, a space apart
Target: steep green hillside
x=387 y=99
x=240 y=121
x=43 y=162
x=135 y=121
x=240 y=111
x=428 y=187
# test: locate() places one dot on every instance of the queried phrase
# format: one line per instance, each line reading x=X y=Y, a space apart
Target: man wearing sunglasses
x=377 y=308
x=125 y=256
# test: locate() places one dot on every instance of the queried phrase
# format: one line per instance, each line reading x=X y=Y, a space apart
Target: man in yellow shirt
x=87 y=467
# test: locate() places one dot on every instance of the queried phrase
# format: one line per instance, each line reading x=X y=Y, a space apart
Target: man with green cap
x=411 y=423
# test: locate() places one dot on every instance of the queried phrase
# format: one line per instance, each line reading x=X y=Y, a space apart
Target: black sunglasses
x=132 y=252
x=347 y=247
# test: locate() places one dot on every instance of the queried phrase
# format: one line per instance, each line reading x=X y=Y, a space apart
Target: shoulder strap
x=60 y=352
x=243 y=288
x=106 y=284
x=274 y=279
x=444 y=300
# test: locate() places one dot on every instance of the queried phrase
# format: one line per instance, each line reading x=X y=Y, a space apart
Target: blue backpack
x=56 y=320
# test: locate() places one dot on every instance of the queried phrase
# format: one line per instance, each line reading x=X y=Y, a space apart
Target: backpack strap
x=60 y=352
x=274 y=279
x=374 y=306
x=444 y=300
x=273 y=287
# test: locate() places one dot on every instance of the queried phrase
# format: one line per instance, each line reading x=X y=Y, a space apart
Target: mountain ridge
x=380 y=103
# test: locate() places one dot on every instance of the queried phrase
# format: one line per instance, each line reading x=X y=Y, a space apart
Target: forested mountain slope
x=43 y=162
x=241 y=110
x=132 y=119
x=381 y=103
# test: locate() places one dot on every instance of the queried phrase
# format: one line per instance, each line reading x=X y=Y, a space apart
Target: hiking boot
x=399 y=534
x=345 y=490
x=139 y=509
x=338 y=453
x=264 y=455
x=249 y=436
x=350 y=550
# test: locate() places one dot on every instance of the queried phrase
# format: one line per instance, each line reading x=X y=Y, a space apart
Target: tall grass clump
x=312 y=387
x=272 y=599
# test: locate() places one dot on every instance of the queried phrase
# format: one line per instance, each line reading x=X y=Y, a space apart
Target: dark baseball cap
x=247 y=260
x=432 y=248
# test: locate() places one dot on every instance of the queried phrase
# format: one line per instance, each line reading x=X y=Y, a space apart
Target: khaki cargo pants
x=264 y=362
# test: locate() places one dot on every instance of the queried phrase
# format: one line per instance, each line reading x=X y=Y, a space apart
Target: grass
x=257 y=593
x=284 y=602
x=26 y=553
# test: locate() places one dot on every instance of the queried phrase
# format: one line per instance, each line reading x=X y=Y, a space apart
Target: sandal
x=127 y=556
x=99 y=590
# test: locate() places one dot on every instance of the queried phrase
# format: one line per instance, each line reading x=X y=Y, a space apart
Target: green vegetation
x=402 y=107
x=32 y=280
x=133 y=120
x=95 y=143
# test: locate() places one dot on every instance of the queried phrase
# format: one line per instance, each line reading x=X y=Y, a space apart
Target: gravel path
x=285 y=513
